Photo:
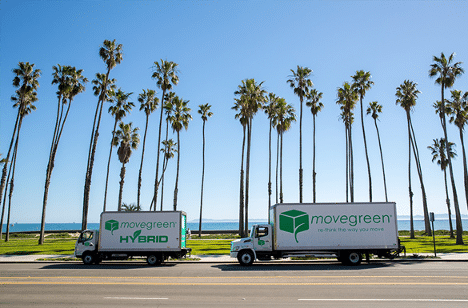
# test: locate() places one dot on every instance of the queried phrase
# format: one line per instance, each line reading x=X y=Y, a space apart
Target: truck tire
x=352 y=258
x=89 y=258
x=245 y=258
x=154 y=260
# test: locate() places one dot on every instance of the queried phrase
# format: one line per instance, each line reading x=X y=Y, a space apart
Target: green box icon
x=294 y=221
x=111 y=225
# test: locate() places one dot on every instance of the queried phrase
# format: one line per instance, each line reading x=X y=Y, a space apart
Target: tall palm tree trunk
x=314 y=175
x=447 y=201
x=122 y=178
x=12 y=181
x=459 y=225
x=351 y=164
x=381 y=160
x=241 y=189
x=165 y=162
x=141 y=163
x=409 y=177
x=5 y=171
x=367 y=155
x=277 y=165
x=300 y=155
x=202 y=182
x=155 y=197
x=347 y=164
x=269 y=171
x=247 y=176
x=92 y=152
x=465 y=172
x=108 y=165
x=427 y=224
x=176 y=189
x=281 y=169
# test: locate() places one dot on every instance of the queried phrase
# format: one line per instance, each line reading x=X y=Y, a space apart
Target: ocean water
x=442 y=224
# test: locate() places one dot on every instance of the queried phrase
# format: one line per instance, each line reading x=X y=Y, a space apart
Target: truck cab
x=258 y=245
x=86 y=246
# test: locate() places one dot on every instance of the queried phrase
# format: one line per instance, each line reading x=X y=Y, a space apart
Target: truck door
x=262 y=238
x=86 y=242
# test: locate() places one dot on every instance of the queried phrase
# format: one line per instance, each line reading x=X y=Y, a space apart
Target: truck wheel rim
x=246 y=258
x=354 y=258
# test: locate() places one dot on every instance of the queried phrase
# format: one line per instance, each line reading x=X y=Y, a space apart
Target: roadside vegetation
x=215 y=244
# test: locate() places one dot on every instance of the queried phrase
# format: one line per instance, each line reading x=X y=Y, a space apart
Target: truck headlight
x=235 y=248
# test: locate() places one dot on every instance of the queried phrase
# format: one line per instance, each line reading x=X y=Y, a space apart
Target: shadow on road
x=106 y=265
x=301 y=267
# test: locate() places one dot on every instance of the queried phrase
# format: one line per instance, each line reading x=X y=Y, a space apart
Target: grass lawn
x=62 y=244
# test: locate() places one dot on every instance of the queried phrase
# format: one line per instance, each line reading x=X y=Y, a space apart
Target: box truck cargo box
x=345 y=230
x=154 y=235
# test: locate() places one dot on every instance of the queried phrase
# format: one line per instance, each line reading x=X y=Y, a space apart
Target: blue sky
x=217 y=44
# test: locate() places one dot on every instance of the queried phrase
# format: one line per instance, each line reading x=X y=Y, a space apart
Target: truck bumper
x=233 y=254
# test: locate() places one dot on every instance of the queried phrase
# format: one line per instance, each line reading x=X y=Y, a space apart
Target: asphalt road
x=313 y=284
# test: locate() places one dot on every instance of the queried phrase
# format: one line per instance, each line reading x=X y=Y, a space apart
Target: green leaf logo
x=294 y=222
x=111 y=225
x=135 y=234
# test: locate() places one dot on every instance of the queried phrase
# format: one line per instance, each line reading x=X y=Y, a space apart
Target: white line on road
x=383 y=299
x=132 y=298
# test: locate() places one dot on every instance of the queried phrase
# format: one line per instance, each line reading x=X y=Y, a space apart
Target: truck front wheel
x=154 y=260
x=245 y=258
x=89 y=259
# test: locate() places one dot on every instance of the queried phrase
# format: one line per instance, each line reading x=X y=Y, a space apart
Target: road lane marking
x=232 y=283
x=382 y=300
x=227 y=277
x=136 y=298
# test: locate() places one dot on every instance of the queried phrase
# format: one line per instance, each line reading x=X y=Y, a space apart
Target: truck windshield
x=252 y=232
x=85 y=236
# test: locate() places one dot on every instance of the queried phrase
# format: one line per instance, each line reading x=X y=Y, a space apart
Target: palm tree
x=111 y=54
x=285 y=115
x=439 y=152
x=374 y=109
x=313 y=101
x=168 y=111
x=165 y=74
x=26 y=80
x=253 y=95
x=241 y=106
x=406 y=97
x=270 y=111
x=347 y=98
x=70 y=83
x=447 y=72
x=148 y=103
x=361 y=84
x=119 y=110
x=457 y=108
x=205 y=114
x=300 y=82
x=127 y=139
x=179 y=119
x=168 y=150
x=132 y=207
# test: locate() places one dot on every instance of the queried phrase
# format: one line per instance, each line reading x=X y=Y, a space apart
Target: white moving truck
x=154 y=235
x=344 y=230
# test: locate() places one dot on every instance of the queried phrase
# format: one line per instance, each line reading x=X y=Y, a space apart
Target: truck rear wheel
x=154 y=260
x=351 y=258
x=245 y=258
x=88 y=259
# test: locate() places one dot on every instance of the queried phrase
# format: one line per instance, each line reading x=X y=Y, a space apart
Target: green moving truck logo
x=111 y=225
x=294 y=221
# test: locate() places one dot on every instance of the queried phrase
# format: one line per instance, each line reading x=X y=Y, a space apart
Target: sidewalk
x=228 y=259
